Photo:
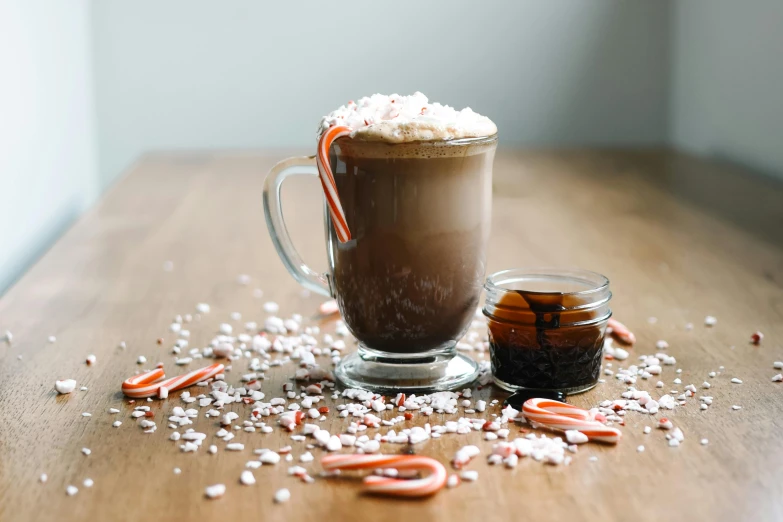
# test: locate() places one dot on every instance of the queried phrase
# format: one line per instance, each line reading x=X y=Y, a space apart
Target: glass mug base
x=391 y=373
x=568 y=391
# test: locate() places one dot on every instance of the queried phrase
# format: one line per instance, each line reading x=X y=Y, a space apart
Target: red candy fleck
x=149 y=414
x=756 y=338
x=408 y=415
x=323 y=409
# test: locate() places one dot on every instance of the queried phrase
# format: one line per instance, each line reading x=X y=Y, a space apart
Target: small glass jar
x=547 y=328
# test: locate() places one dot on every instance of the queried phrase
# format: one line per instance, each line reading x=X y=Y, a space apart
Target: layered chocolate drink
x=407 y=198
x=419 y=213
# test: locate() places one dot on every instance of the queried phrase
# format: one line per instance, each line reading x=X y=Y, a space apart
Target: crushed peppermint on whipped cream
x=399 y=119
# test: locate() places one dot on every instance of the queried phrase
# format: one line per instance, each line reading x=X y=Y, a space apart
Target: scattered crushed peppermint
x=239 y=404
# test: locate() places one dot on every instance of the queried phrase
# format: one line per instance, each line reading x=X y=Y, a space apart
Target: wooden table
x=679 y=238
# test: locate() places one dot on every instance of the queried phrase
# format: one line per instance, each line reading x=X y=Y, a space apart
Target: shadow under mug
x=409 y=280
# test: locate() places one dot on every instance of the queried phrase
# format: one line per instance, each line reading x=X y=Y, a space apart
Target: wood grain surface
x=679 y=238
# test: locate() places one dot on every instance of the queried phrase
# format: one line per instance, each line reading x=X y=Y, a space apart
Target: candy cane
x=561 y=416
x=328 y=307
x=621 y=332
x=328 y=183
x=152 y=383
x=388 y=485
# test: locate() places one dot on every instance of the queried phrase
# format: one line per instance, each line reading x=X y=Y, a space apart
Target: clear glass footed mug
x=408 y=281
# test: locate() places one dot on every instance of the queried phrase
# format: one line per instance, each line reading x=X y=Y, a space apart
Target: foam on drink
x=400 y=119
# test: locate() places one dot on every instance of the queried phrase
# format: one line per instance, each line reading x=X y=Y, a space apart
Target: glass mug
x=408 y=282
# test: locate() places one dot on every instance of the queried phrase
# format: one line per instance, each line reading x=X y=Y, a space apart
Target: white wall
x=727 y=81
x=47 y=154
x=248 y=74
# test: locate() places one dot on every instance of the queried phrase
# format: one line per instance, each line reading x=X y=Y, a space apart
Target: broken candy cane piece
x=564 y=417
x=388 y=485
x=621 y=332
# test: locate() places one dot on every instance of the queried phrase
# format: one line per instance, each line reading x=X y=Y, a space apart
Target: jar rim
x=596 y=283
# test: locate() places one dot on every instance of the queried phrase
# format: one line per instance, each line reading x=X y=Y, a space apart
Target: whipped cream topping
x=398 y=119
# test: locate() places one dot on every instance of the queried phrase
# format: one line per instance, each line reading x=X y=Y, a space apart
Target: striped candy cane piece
x=328 y=183
x=561 y=416
x=143 y=385
x=152 y=383
x=189 y=379
x=328 y=307
x=621 y=332
x=428 y=485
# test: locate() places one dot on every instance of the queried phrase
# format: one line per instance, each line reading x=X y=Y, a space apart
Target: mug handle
x=273 y=211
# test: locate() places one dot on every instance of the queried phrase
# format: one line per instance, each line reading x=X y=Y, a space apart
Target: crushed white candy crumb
x=247 y=478
x=575 y=437
x=88 y=483
x=282 y=495
x=469 y=475
x=215 y=491
x=65 y=386
x=71 y=490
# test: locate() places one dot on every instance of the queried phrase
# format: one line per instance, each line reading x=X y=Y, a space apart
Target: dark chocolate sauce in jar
x=546 y=341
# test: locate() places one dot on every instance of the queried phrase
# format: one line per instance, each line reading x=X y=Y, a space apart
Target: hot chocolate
x=419 y=213
x=407 y=197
